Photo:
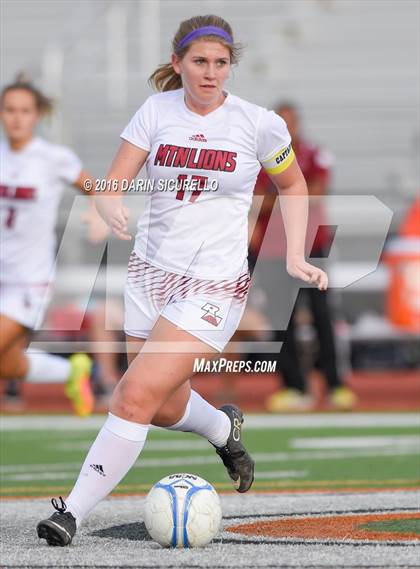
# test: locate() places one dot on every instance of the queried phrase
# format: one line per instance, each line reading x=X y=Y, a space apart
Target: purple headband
x=204 y=31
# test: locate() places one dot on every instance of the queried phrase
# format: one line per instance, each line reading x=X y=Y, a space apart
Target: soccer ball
x=182 y=510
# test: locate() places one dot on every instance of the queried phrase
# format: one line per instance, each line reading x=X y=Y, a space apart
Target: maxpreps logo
x=210 y=314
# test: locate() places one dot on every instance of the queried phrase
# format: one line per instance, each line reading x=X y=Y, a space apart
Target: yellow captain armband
x=279 y=161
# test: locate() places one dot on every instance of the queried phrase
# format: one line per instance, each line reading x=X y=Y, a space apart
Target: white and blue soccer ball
x=182 y=510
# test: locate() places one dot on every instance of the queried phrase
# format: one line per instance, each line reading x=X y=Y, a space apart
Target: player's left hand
x=300 y=269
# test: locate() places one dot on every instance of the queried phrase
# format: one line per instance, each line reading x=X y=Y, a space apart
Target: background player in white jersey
x=187 y=279
x=32 y=176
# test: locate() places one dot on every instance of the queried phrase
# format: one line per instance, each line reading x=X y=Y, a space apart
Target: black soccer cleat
x=60 y=528
x=238 y=462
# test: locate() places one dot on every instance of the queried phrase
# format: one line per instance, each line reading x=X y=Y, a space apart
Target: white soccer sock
x=46 y=368
x=111 y=456
x=203 y=419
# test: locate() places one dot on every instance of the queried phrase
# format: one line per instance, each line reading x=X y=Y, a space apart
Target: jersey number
x=198 y=181
x=10 y=217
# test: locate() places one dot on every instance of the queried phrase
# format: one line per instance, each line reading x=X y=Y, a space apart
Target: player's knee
x=12 y=368
x=132 y=402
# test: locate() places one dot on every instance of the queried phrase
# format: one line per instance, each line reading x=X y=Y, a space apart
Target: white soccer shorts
x=209 y=310
x=25 y=304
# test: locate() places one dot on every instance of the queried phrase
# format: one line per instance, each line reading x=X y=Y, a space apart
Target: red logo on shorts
x=211 y=314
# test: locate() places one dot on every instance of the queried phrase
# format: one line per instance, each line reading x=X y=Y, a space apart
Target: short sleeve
x=139 y=130
x=68 y=164
x=274 y=148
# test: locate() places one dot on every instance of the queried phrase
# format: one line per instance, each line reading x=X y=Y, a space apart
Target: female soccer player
x=187 y=276
x=32 y=173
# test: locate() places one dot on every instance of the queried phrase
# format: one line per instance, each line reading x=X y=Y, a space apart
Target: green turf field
x=366 y=465
x=45 y=461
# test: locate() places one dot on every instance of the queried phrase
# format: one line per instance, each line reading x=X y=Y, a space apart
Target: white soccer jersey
x=31 y=183
x=203 y=232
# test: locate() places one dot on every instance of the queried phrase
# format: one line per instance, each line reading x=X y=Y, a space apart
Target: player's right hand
x=115 y=215
x=118 y=223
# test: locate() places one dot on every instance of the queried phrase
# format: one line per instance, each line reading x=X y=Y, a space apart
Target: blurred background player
x=102 y=321
x=315 y=164
x=32 y=176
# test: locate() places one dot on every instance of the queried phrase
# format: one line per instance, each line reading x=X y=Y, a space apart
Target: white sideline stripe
x=295 y=421
x=29 y=477
x=158 y=446
x=355 y=442
x=8 y=471
x=304 y=421
x=5 y=469
x=326 y=455
x=269 y=475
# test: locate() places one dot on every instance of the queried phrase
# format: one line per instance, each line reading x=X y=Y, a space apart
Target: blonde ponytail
x=165 y=78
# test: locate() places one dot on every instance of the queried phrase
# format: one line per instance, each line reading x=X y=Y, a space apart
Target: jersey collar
x=210 y=117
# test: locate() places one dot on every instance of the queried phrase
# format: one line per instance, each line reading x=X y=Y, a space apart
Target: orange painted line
x=390 y=489
x=328 y=527
x=359 y=490
x=318 y=485
x=334 y=483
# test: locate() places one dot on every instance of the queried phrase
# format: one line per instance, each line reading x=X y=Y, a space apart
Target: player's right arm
x=127 y=163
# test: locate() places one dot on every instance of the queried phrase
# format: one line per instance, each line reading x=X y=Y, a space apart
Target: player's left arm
x=293 y=194
x=98 y=230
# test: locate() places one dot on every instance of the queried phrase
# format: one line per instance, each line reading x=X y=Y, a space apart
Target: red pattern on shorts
x=164 y=287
